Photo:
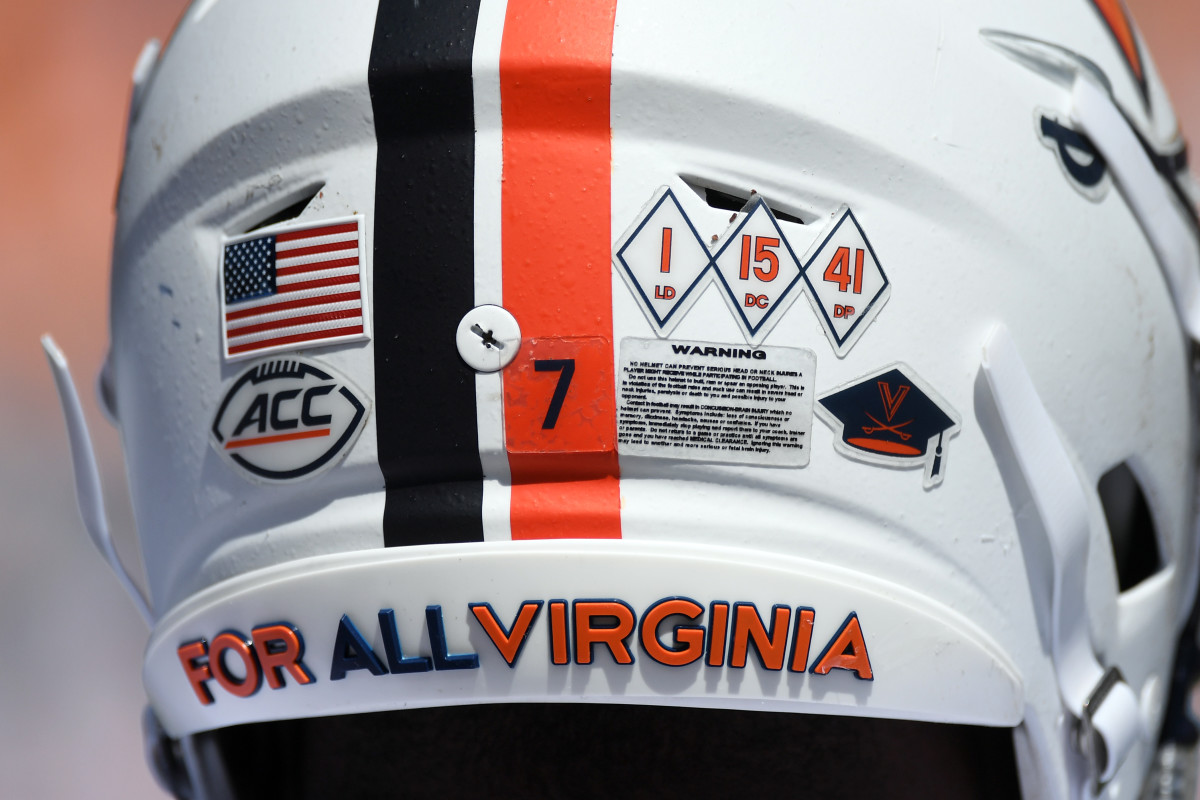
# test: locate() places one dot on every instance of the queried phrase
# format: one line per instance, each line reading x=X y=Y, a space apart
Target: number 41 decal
x=838 y=270
x=846 y=283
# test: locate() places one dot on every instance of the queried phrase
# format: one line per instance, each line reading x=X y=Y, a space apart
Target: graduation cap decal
x=892 y=418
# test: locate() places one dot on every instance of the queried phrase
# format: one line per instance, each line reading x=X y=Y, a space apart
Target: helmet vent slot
x=735 y=201
x=1130 y=527
x=290 y=211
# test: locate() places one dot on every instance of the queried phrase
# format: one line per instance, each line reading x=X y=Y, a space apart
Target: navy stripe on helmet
x=421 y=95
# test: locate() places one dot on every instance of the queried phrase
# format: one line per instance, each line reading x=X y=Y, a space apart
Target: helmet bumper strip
x=577 y=620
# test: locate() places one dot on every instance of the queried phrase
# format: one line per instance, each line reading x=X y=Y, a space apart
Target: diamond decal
x=758 y=270
x=846 y=284
x=663 y=260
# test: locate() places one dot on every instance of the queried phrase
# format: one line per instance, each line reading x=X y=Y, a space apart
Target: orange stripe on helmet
x=559 y=415
x=1120 y=24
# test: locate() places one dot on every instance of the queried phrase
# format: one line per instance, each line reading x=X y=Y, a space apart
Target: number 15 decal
x=758 y=270
x=761 y=253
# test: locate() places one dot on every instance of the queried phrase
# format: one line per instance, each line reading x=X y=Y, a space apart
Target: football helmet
x=565 y=398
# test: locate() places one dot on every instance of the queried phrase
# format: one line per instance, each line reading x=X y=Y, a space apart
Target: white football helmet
x=480 y=439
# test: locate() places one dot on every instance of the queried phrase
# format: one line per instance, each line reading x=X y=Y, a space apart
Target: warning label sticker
x=717 y=403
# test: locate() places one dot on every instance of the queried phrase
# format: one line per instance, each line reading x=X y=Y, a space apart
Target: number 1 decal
x=565 y=367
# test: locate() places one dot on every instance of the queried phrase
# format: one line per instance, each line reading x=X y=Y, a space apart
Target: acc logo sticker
x=891 y=418
x=286 y=419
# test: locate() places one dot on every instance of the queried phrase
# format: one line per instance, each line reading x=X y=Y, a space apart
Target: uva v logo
x=891 y=403
x=286 y=419
x=865 y=414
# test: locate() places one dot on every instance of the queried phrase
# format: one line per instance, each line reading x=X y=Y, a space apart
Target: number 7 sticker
x=554 y=397
x=846 y=284
x=565 y=367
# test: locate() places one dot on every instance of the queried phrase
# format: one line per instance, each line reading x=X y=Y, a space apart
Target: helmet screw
x=488 y=338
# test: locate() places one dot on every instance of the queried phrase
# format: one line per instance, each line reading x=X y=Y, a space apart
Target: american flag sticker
x=293 y=287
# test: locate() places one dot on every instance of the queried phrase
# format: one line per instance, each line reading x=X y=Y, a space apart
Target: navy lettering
x=351 y=652
x=306 y=415
x=256 y=414
x=282 y=424
x=442 y=658
x=397 y=662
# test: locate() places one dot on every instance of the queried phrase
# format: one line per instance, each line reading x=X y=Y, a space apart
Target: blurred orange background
x=70 y=642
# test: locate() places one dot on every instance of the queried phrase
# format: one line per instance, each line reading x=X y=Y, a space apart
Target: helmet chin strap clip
x=1105 y=706
x=87 y=475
